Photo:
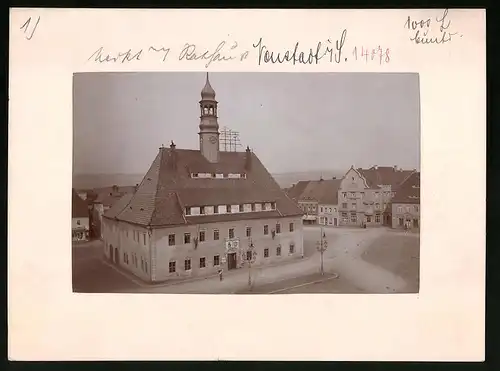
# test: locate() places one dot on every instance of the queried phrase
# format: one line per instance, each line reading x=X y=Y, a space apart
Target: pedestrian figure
x=220 y=274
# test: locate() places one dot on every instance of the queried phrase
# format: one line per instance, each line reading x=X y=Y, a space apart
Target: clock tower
x=209 y=127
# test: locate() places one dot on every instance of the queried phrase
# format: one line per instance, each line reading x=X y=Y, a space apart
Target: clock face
x=213 y=139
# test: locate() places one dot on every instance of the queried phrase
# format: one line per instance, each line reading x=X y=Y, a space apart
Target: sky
x=293 y=122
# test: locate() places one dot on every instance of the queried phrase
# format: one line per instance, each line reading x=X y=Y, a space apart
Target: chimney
x=248 y=159
x=334 y=177
x=172 y=156
x=395 y=167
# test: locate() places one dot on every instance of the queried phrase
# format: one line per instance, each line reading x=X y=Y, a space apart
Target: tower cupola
x=209 y=126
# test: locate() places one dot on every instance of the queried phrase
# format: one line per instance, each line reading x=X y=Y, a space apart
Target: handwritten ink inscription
x=328 y=51
x=29 y=29
x=190 y=52
x=331 y=50
x=436 y=30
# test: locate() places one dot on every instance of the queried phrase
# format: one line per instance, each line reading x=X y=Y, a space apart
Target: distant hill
x=87 y=181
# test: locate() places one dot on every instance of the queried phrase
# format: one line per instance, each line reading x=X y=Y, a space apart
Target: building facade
x=318 y=199
x=365 y=195
x=198 y=211
x=79 y=218
x=406 y=204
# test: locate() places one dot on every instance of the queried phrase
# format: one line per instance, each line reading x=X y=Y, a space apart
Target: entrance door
x=231 y=261
x=335 y=222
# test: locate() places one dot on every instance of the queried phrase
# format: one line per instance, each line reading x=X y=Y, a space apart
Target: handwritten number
x=26 y=27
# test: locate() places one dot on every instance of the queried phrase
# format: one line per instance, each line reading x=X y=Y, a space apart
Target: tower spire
x=209 y=127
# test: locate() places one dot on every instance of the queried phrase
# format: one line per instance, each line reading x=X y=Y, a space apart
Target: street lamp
x=249 y=257
x=322 y=245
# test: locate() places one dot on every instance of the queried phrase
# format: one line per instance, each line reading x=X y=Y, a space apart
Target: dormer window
x=211 y=110
x=188 y=211
x=205 y=110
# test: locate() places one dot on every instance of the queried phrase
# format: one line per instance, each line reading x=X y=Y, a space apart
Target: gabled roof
x=321 y=191
x=408 y=191
x=118 y=206
x=79 y=207
x=384 y=175
x=168 y=188
x=296 y=190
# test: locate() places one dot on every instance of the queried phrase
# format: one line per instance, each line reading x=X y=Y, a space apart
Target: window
x=241 y=208
x=249 y=255
x=187 y=237
x=202 y=236
x=188 y=211
x=400 y=209
x=171 y=267
x=321 y=209
x=266 y=253
x=344 y=194
x=408 y=209
x=353 y=218
x=273 y=205
x=216 y=260
x=231 y=232
x=353 y=205
x=144 y=238
x=202 y=263
x=228 y=208
x=416 y=208
x=124 y=257
x=278 y=228
x=377 y=206
x=292 y=247
x=187 y=264
x=266 y=229
x=216 y=234
x=216 y=209
x=344 y=215
x=377 y=218
x=78 y=222
x=142 y=263
x=291 y=227
x=344 y=205
x=329 y=209
x=249 y=231
x=171 y=239
x=368 y=219
x=329 y=220
x=146 y=266
x=202 y=210
x=278 y=251
x=401 y=221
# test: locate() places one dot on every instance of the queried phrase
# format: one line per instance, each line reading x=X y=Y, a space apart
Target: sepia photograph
x=246 y=183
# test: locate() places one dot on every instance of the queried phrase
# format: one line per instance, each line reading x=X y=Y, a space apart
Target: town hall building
x=198 y=211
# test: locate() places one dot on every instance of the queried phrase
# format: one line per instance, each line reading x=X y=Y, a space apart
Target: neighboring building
x=102 y=200
x=318 y=199
x=197 y=211
x=406 y=203
x=328 y=213
x=79 y=218
x=365 y=195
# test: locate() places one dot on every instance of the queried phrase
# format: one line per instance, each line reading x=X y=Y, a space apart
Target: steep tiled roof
x=296 y=190
x=384 y=175
x=321 y=191
x=408 y=191
x=167 y=188
x=79 y=207
x=118 y=206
